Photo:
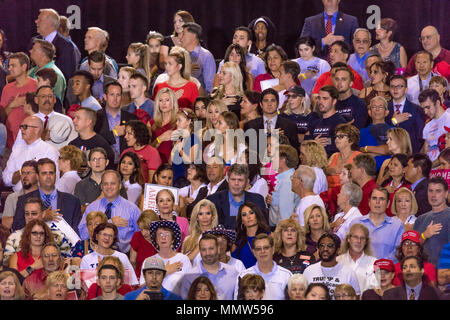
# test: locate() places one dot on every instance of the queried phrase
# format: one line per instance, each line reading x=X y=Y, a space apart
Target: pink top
x=150 y=159
x=184 y=226
x=190 y=93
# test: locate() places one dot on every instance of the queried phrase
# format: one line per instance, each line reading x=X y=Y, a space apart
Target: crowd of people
x=316 y=177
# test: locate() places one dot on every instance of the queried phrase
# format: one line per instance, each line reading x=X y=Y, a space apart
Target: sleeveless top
x=394 y=56
x=374 y=93
x=333 y=180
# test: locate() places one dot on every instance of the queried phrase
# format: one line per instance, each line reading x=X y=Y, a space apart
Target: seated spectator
x=251 y=287
x=131 y=173
x=296 y=287
x=274 y=56
x=348 y=200
x=70 y=160
x=202 y=289
x=363 y=173
x=362 y=40
x=200 y=106
x=163 y=175
x=138 y=56
x=345 y=292
x=108 y=278
x=154 y=41
x=10 y=287
x=214 y=109
x=56 y=287
x=83 y=83
x=384 y=273
x=141 y=106
x=48 y=77
x=417 y=172
x=317 y=291
x=421 y=81
x=316 y=224
x=380 y=74
x=4 y=234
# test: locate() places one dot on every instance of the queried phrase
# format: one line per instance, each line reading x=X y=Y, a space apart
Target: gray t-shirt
x=118 y=297
x=433 y=245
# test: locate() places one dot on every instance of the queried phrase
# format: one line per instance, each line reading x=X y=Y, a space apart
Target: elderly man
x=363 y=172
x=121 y=212
x=420 y=82
x=64 y=30
x=362 y=40
x=348 y=201
x=34 y=148
x=228 y=201
x=47 y=25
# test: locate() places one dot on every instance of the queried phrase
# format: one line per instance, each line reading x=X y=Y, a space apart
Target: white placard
x=66 y=230
x=150 y=192
x=266 y=84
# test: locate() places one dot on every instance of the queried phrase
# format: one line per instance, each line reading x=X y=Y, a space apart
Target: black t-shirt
x=325 y=127
x=353 y=108
x=94 y=142
x=302 y=122
x=295 y=264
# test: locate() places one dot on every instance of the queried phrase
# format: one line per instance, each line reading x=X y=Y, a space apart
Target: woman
x=141 y=244
x=203 y=218
x=70 y=160
x=290 y=247
x=440 y=84
x=296 y=287
x=250 y=107
x=411 y=245
x=84 y=247
x=251 y=287
x=236 y=54
x=356 y=253
x=345 y=292
x=255 y=183
x=196 y=176
x=202 y=289
x=130 y=170
x=166 y=238
x=379 y=72
x=396 y=180
x=104 y=236
x=56 y=285
x=179 y=80
x=444 y=158
x=138 y=55
x=230 y=89
x=4 y=234
x=165 y=202
x=387 y=48
x=330 y=197
x=314 y=155
x=215 y=109
x=10 y=287
x=200 y=107
x=273 y=58
x=163 y=175
x=35 y=234
x=316 y=224
x=124 y=79
x=137 y=138
x=311 y=67
x=384 y=273
x=165 y=117
x=249 y=222
x=154 y=40
x=317 y=291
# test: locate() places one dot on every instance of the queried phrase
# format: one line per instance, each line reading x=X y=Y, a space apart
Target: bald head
x=430 y=39
x=31 y=129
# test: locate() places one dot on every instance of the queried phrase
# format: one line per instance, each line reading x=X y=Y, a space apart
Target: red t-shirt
x=325 y=80
x=429 y=272
x=190 y=93
x=143 y=249
x=366 y=190
x=150 y=159
x=164 y=148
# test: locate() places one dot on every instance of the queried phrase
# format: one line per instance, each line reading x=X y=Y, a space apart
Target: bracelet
x=423 y=237
x=394 y=121
x=303 y=76
x=115 y=132
x=157 y=140
x=365 y=149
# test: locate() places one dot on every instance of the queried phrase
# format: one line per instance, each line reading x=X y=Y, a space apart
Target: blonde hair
x=316 y=154
x=283 y=225
x=307 y=214
x=143 y=51
x=346 y=288
x=94 y=214
x=19 y=294
x=414 y=206
x=158 y=114
x=73 y=154
x=403 y=139
x=195 y=232
x=219 y=104
x=345 y=244
x=236 y=79
x=147 y=217
x=174 y=52
x=306 y=108
x=56 y=276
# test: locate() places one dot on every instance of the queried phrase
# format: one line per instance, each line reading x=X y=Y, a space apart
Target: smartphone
x=154 y=295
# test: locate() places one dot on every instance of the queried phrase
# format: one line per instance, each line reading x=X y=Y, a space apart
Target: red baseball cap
x=412 y=235
x=385 y=264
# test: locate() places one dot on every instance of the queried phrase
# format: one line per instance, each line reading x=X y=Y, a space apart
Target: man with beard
x=329 y=271
x=264 y=32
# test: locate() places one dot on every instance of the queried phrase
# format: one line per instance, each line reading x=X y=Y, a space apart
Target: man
x=84 y=122
x=270 y=119
x=138 y=91
x=13 y=94
x=328 y=270
x=289 y=71
x=430 y=40
x=48 y=77
x=350 y=106
x=275 y=276
x=329 y=26
x=243 y=37
x=47 y=25
x=431 y=104
x=203 y=63
x=42 y=54
x=154 y=271
x=373 y=137
x=29 y=180
x=120 y=211
x=434 y=225
x=385 y=232
x=348 y=200
x=362 y=40
x=228 y=201
x=405 y=114
x=64 y=30
x=222 y=275
x=97 y=62
x=413 y=287
x=34 y=284
x=34 y=148
x=111 y=120
x=82 y=84
x=303 y=184
x=96 y=39
x=63 y=205
x=417 y=171
x=339 y=53
x=363 y=172
x=108 y=279
x=323 y=130
x=420 y=82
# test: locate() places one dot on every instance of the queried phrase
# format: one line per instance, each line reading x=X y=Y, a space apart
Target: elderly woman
x=202 y=289
x=314 y=155
x=10 y=288
x=356 y=253
x=384 y=273
x=251 y=287
x=290 y=247
x=316 y=224
x=348 y=201
x=296 y=287
x=345 y=292
x=56 y=286
x=70 y=160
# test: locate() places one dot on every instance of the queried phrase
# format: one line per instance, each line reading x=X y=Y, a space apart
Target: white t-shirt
x=260 y=187
x=363 y=268
x=305 y=203
x=432 y=131
x=321 y=183
x=352 y=214
x=187 y=192
x=133 y=191
x=67 y=182
x=332 y=277
x=321 y=65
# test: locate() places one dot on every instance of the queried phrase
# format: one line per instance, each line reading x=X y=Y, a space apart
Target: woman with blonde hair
x=10 y=287
x=290 y=247
x=404 y=207
x=138 y=55
x=70 y=161
x=214 y=109
x=203 y=218
x=56 y=286
x=345 y=291
x=296 y=287
x=316 y=224
x=313 y=154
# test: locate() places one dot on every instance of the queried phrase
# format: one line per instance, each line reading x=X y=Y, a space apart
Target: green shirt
x=60 y=86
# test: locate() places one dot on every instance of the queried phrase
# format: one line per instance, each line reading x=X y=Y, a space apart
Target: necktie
x=108 y=210
x=328 y=30
x=269 y=126
x=412 y=296
x=397 y=108
x=47 y=201
x=45 y=122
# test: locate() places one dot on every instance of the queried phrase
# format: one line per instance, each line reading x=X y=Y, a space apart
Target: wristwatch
x=29 y=269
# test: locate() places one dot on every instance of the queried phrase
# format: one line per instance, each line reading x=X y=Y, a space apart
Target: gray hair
x=239 y=169
x=52 y=15
x=382 y=99
x=103 y=35
x=307 y=175
x=297 y=279
x=354 y=192
x=362 y=29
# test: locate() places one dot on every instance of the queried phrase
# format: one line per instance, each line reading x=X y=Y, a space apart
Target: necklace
x=291 y=259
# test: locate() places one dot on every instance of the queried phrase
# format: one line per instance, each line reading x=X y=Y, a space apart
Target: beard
x=330 y=258
x=26 y=186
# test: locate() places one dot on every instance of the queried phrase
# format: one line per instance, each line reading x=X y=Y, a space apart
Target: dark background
x=130 y=20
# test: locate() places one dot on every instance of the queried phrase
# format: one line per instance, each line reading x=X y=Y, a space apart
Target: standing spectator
x=124 y=79
x=317 y=291
x=138 y=56
x=108 y=279
x=316 y=224
x=440 y=84
x=404 y=207
x=348 y=200
x=296 y=287
x=384 y=272
x=418 y=83
x=10 y=287
x=55 y=287
x=264 y=34
x=154 y=41
x=380 y=74
x=141 y=106
x=202 y=289
x=97 y=39
x=131 y=173
x=313 y=154
x=251 y=287
x=274 y=56
x=97 y=63
x=70 y=160
x=362 y=40
x=363 y=173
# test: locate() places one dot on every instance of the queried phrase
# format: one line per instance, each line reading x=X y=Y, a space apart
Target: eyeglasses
x=397 y=87
x=26 y=126
x=377 y=107
x=36 y=233
x=98 y=159
x=164 y=234
x=341 y=136
x=259 y=249
x=43 y=96
x=358 y=238
x=329 y=245
x=357 y=41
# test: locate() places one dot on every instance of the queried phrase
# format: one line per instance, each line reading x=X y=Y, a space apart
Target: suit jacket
x=103 y=129
x=421 y=193
x=220 y=199
x=315 y=27
x=289 y=128
x=399 y=293
x=68 y=205
x=66 y=59
x=413 y=125
x=202 y=194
